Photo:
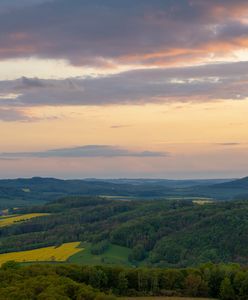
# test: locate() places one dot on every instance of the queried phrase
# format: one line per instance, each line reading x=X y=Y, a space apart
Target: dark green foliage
x=158 y=233
x=226 y=290
x=100 y=247
x=47 y=282
x=122 y=283
x=96 y=283
x=10 y=265
x=138 y=253
x=195 y=285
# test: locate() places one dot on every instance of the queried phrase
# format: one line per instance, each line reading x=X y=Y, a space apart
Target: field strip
x=7 y=221
x=61 y=253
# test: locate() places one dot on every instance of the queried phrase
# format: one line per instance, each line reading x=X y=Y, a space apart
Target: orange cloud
x=187 y=56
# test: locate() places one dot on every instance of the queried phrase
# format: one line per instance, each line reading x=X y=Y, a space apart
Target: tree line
x=65 y=281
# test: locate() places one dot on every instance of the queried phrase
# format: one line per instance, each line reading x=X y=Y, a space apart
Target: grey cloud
x=31 y=83
x=90 y=32
x=202 y=83
x=10 y=5
x=85 y=151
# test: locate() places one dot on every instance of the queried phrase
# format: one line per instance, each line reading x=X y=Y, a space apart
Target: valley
x=128 y=246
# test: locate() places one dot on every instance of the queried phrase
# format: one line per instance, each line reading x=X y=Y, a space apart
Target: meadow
x=114 y=255
x=75 y=252
x=11 y=219
x=47 y=254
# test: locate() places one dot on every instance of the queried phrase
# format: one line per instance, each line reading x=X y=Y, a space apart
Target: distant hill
x=17 y=192
x=235 y=184
x=230 y=190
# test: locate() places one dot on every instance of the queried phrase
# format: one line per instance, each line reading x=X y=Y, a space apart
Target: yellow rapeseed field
x=9 y=220
x=61 y=253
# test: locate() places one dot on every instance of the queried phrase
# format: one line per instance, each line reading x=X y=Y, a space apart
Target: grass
x=47 y=254
x=114 y=255
x=11 y=219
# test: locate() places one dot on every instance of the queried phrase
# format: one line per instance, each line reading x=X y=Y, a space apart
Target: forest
x=62 y=282
x=158 y=233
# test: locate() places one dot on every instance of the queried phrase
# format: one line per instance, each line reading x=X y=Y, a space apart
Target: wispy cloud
x=118 y=126
x=229 y=144
x=14 y=114
x=11 y=115
x=85 y=151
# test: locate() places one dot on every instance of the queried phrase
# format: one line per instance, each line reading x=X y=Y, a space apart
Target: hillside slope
x=159 y=233
x=234 y=184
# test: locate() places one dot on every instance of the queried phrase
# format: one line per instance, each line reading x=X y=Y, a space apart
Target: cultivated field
x=202 y=202
x=61 y=253
x=9 y=220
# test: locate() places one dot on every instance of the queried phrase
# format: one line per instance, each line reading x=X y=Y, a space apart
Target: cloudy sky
x=123 y=88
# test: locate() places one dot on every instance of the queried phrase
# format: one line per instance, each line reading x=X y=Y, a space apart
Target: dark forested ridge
x=21 y=192
x=159 y=233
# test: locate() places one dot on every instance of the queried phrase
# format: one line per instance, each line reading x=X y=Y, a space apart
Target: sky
x=123 y=88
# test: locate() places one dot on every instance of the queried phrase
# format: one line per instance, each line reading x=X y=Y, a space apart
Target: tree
x=244 y=288
x=154 y=283
x=192 y=284
x=98 y=278
x=122 y=283
x=226 y=290
x=11 y=264
x=138 y=253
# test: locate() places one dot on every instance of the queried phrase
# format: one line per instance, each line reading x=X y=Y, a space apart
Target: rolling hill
x=21 y=192
x=158 y=233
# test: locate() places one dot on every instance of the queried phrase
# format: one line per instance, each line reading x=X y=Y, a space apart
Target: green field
x=76 y=252
x=114 y=255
